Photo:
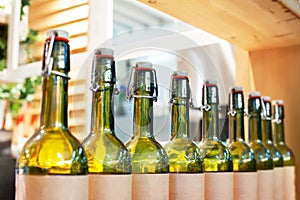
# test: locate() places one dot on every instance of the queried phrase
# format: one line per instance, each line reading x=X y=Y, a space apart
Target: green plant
x=31 y=38
x=16 y=93
x=23 y=4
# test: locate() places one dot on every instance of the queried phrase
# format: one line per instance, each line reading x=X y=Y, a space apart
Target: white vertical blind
x=13 y=36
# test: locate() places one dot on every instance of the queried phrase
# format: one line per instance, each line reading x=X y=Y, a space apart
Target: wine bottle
x=267 y=139
x=108 y=159
x=264 y=162
x=150 y=164
x=244 y=161
x=289 y=189
x=186 y=163
x=218 y=164
x=53 y=164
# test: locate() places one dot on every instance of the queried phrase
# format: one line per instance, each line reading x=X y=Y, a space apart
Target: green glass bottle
x=289 y=189
x=244 y=161
x=150 y=164
x=264 y=161
x=186 y=163
x=53 y=164
x=218 y=164
x=108 y=159
x=267 y=138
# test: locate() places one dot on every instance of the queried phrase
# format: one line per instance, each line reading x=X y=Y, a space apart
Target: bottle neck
x=255 y=126
x=180 y=119
x=211 y=122
x=267 y=130
x=143 y=117
x=279 y=132
x=102 y=111
x=236 y=126
x=54 y=112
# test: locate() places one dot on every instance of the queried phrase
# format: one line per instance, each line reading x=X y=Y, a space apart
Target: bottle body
x=244 y=161
x=185 y=161
x=264 y=161
x=108 y=159
x=217 y=159
x=53 y=163
x=109 y=167
x=265 y=175
x=289 y=172
x=49 y=170
x=186 y=170
x=184 y=156
x=150 y=164
x=288 y=157
x=147 y=155
x=108 y=155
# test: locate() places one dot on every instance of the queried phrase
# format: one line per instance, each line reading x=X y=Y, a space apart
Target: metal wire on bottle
x=48 y=69
x=131 y=87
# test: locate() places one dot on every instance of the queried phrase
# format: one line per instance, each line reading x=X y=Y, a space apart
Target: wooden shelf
x=250 y=25
x=266 y=39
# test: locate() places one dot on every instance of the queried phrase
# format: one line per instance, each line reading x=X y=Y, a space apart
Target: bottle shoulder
x=106 y=154
x=214 y=146
x=258 y=147
x=184 y=156
x=243 y=156
x=147 y=155
x=287 y=154
x=239 y=146
x=52 y=151
x=275 y=154
x=181 y=144
x=263 y=156
x=144 y=145
x=96 y=141
x=216 y=156
x=55 y=136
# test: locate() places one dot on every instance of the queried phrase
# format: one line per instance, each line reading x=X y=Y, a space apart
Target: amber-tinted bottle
x=53 y=164
x=267 y=139
x=108 y=159
x=186 y=163
x=244 y=161
x=289 y=189
x=264 y=161
x=150 y=164
x=218 y=164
